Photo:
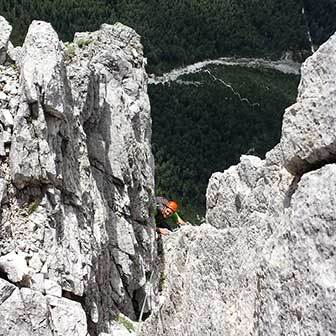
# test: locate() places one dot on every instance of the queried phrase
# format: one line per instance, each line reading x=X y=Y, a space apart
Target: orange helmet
x=172 y=205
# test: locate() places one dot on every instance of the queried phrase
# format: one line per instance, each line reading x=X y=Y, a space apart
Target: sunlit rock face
x=308 y=134
x=76 y=184
x=5 y=31
x=264 y=263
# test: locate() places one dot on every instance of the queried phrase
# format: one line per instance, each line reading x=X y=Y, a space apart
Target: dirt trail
x=285 y=66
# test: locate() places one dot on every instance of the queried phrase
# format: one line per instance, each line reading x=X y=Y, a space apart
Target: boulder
x=27 y=312
x=14 y=53
x=14 y=265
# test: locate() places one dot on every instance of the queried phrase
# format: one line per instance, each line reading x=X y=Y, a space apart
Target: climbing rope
x=143 y=304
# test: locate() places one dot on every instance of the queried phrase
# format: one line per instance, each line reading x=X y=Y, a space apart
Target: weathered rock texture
x=265 y=262
x=76 y=184
x=5 y=31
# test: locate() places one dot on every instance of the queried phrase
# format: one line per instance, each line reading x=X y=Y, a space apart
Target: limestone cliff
x=76 y=183
x=264 y=263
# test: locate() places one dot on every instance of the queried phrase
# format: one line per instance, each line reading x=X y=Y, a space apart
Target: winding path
x=284 y=66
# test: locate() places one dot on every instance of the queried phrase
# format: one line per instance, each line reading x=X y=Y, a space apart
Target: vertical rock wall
x=264 y=263
x=5 y=30
x=77 y=181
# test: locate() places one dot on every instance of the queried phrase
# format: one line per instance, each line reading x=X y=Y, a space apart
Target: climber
x=165 y=213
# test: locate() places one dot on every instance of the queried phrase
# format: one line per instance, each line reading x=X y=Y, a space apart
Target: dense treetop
x=177 y=32
x=321 y=17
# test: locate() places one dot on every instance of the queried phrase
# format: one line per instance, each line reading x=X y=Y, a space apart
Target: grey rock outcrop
x=5 y=31
x=309 y=125
x=33 y=158
x=77 y=183
x=28 y=312
x=264 y=263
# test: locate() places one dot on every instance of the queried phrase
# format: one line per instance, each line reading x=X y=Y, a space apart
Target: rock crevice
x=264 y=263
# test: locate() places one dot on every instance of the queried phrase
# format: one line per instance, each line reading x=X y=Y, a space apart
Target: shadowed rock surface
x=264 y=263
x=76 y=184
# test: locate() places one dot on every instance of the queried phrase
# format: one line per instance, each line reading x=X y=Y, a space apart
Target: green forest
x=178 y=32
x=198 y=130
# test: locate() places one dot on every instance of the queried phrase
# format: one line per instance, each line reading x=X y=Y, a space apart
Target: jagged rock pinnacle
x=77 y=182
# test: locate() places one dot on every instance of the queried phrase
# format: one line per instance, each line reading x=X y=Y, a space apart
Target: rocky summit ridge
x=264 y=262
x=76 y=182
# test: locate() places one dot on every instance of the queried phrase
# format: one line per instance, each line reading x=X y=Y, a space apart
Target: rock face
x=5 y=31
x=76 y=184
x=309 y=125
x=265 y=262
